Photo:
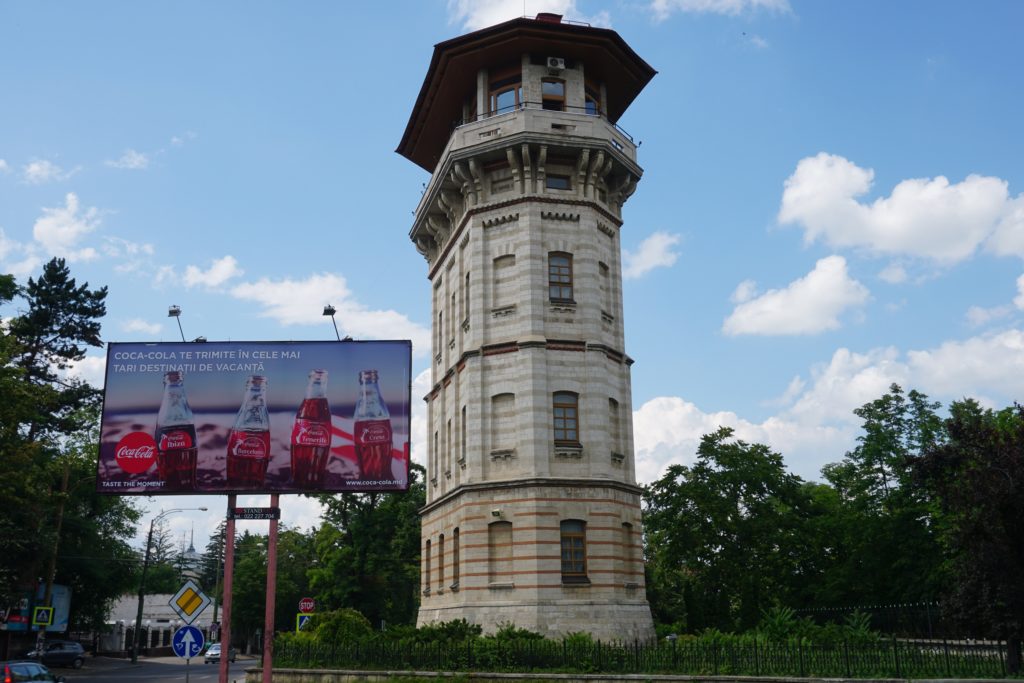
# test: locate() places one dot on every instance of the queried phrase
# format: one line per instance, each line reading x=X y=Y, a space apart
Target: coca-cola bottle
x=249 y=441
x=311 y=435
x=372 y=431
x=175 y=437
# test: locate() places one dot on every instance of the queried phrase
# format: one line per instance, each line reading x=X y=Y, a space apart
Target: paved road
x=152 y=670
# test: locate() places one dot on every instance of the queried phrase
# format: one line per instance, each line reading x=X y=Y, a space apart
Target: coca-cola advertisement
x=255 y=417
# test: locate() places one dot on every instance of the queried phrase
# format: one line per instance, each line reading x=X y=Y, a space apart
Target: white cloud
x=668 y=430
x=745 y=291
x=41 y=171
x=1008 y=238
x=1018 y=300
x=808 y=305
x=656 y=251
x=758 y=42
x=978 y=315
x=819 y=426
x=219 y=272
x=131 y=256
x=59 y=230
x=4 y=168
x=140 y=325
x=894 y=274
x=664 y=8
x=130 y=160
x=477 y=14
x=7 y=246
x=418 y=420
x=928 y=218
x=91 y=369
x=987 y=363
x=179 y=140
x=301 y=302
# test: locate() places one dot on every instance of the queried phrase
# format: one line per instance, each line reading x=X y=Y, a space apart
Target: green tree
x=54 y=524
x=885 y=549
x=60 y=322
x=977 y=479
x=368 y=552
x=725 y=534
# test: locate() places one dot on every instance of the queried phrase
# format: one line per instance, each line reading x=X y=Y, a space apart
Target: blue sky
x=832 y=198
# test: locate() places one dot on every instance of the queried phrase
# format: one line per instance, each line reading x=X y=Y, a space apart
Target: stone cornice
x=531 y=483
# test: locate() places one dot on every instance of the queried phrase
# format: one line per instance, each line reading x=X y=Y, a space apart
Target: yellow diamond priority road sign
x=189 y=602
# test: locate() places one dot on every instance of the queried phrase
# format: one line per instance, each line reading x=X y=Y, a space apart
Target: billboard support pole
x=268 y=622
x=229 y=574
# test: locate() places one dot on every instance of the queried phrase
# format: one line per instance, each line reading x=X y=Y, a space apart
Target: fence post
x=599 y=668
x=675 y=660
x=714 y=657
x=1002 y=660
x=846 y=657
x=800 y=655
x=636 y=649
x=757 y=667
x=945 y=648
x=896 y=656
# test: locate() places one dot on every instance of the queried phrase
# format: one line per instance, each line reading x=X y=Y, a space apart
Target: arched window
x=426 y=567
x=440 y=562
x=506 y=90
x=574 y=551
x=565 y=411
x=455 y=557
x=499 y=552
x=560 y=277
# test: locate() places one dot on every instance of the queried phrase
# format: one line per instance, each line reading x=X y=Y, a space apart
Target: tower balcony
x=530 y=143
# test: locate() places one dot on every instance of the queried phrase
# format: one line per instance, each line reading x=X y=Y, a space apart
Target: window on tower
x=574 y=551
x=553 y=94
x=560 y=277
x=592 y=99
x=506 y=90
x=565 y=410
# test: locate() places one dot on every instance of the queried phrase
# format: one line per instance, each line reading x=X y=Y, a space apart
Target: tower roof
x=455 y=63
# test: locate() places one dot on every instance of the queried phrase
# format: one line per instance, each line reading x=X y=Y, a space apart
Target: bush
x=341 y=625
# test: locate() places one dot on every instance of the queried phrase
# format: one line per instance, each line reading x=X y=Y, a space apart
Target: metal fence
x=882 y=659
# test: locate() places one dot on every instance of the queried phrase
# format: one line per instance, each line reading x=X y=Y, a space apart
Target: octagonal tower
x=533 y=512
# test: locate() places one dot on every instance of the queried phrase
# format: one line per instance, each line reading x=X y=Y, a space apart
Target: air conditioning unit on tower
x=556 y=63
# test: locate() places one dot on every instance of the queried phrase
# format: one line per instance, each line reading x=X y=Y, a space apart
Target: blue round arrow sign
x=187 y=642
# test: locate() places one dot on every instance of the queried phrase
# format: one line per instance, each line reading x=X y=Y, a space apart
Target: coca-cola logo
x=250 y=447
x=175 y=440
x=136 y=452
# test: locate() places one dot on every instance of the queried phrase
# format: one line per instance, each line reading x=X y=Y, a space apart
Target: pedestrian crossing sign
x=42 y=616
x=302 y=621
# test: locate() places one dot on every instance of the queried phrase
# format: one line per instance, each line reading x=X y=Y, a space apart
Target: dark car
x=15 y=671
x=213 y=654
x=60 y=653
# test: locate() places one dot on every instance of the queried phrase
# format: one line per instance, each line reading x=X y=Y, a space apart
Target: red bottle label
x=175 y=440
x=373 y=432
x=249 y=445
x=310 y=433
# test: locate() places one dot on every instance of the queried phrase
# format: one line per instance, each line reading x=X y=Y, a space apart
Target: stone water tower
x=533 y=512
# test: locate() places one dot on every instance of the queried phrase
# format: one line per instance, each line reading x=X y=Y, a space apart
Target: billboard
x=255 y=417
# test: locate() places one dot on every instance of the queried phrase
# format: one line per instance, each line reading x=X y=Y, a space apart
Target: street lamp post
x=142 y=581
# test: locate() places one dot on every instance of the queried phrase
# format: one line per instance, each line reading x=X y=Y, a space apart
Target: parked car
x=60 y=653
x=213 y=654
x=15 y=671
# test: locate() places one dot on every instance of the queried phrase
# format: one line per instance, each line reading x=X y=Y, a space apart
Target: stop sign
x=306 y=605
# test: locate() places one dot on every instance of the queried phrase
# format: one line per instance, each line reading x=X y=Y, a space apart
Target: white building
x=533 y=512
